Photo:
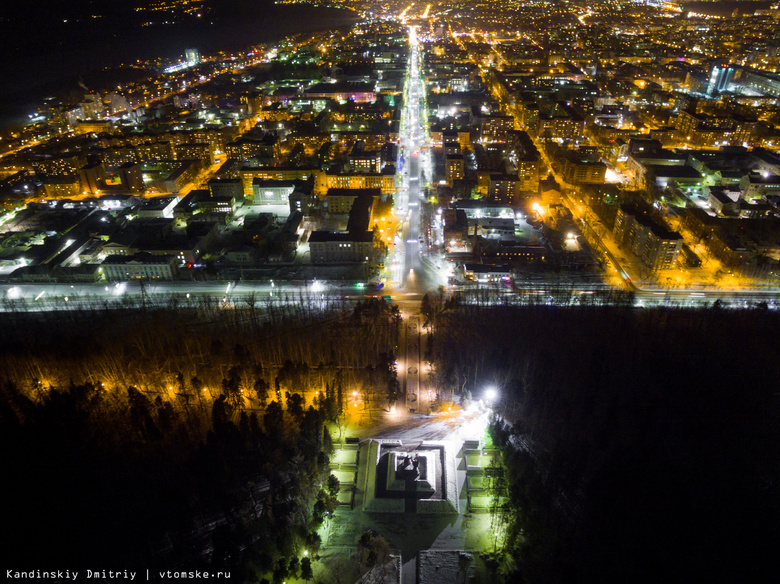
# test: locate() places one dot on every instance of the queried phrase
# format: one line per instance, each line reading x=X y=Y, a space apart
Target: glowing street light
x=491 y=394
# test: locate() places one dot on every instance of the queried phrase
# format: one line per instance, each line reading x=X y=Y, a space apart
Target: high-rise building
x=192 y=56
x=721 y=75
x=653 y=243
x=454 y=168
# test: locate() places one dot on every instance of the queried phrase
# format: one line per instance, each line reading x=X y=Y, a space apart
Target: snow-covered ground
x=457 y=425
x=447 y=567
x=420 y=539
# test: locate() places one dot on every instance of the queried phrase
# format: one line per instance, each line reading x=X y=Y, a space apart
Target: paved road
x=413 y=274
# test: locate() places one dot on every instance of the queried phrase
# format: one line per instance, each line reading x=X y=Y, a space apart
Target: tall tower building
x=192 y=56
x=721 y=75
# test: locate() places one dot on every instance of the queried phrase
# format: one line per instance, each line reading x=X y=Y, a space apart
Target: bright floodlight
x=491 y=394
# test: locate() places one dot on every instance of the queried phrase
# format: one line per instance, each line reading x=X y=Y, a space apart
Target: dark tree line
x=194 y=437
x=95 y=482
x=641 y=446
x=190 y=350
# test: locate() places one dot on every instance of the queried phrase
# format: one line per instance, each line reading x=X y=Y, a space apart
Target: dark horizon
x=35 y=68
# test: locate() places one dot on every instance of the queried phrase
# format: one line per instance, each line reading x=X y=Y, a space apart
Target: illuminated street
x=412 y=270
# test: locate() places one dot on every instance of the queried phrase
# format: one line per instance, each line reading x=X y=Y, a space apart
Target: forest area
x=639 y=445
x=182 y=437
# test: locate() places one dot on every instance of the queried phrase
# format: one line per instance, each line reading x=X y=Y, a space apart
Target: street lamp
x=491 y=394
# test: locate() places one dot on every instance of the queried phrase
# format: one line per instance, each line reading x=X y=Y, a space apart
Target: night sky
x=43 y=53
